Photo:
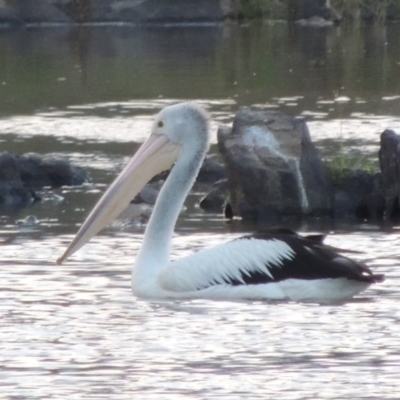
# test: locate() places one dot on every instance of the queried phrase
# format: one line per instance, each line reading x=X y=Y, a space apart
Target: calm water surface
x=76 y=331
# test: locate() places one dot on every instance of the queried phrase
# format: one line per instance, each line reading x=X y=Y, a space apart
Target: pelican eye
x=160 y=124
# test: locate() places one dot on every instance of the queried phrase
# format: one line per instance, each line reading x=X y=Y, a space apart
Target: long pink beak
x=157 y=154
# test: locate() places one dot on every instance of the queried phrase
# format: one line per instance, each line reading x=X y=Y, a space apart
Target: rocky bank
x=312 y=13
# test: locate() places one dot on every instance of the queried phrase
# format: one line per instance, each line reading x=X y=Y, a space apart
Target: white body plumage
x=205 y=274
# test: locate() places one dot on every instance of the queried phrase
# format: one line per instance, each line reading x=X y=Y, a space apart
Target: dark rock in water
x=389 y=159
x=15 y=196
x=13 y=12
x=62 y=173
x=143 y=11
x=149 y=193
x=273 y=167
x=215 y=200
x=372 y=207
x=12 y=191
x=212 y=169
x=160 y=11
x=228 y=213
x=358 y=195
x=211 y=172
x=21 y=175
x=9 y=18
x=39 y=11
x=305 y=9
x=37 y=172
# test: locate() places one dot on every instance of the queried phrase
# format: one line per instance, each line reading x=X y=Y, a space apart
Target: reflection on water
x=42 y=68
x=88 y=94
x=76 y=331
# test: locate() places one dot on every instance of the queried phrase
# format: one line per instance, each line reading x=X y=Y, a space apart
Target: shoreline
x=66 y=13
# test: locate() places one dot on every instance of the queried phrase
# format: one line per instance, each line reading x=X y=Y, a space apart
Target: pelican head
x=185 y=124
x=177 y=129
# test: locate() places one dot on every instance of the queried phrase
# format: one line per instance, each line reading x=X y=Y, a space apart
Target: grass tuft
x=342 y=166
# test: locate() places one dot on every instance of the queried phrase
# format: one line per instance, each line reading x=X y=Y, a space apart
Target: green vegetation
x=340 y=167
x=354 y=10
x=271 y=9
x=341 y=10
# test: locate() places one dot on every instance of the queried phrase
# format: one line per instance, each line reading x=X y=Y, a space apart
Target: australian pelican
x=280 y=265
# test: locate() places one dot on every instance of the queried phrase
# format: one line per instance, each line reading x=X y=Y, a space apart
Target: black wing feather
x=312 y=260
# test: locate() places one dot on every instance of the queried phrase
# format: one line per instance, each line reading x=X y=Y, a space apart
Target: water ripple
x=75 y=331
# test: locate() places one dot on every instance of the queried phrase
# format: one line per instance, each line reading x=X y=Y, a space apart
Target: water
x=75 y=331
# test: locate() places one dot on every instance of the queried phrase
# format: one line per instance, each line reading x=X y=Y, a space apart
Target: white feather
x=242 y=256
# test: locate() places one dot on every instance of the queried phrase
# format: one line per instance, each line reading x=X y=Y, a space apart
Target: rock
x=136 y=214
x=37 y=172
x=228 y=213
x=372 y=207
x=305 y=9
x=8 y=17
x=83 y=11
x=389 y=159
x=17 y=12
x=212 y=169
x=132 y=11
x=15 y=196
x=149 y=193
x=30 y=220
x=21 y=175
x=357 y=195
x=160 y=11
x=12 y=191
x=273 y=167
x=314 y=22
x=215 y=200
x=37 y=11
